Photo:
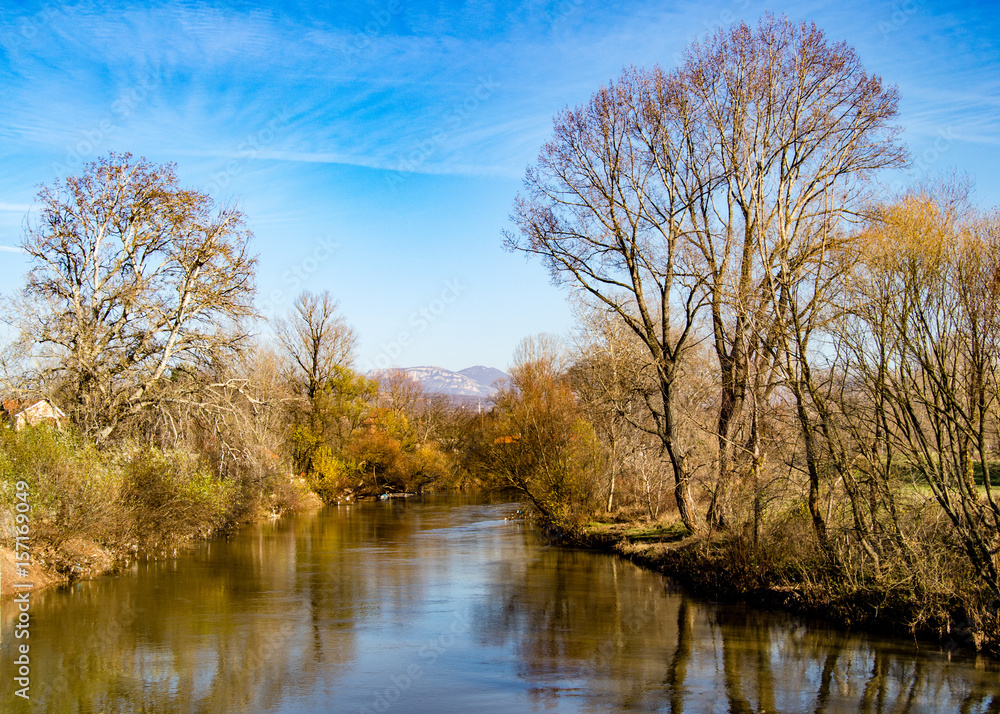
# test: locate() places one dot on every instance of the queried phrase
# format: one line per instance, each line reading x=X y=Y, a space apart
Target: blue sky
x=377 y=146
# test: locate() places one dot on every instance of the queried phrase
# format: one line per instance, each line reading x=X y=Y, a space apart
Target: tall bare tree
x=613 y=379
x=796 y=126
x=607 y=216
x=132 y=276
x=702 y=187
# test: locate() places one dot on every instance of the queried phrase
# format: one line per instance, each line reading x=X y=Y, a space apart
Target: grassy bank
x=784 y=572
x=85 y=511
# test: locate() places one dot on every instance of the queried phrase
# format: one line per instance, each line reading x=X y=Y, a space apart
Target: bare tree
x=237 y=413
x=400 y=393
x=796 y=126
x=613 y=379
x=924 y=333
x=330 y=399
x=606 y=215
x=318 y=341
x=670 y=192
x=132 y=277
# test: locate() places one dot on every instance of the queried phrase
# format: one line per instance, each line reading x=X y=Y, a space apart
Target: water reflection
x=608 y=633
x=441 y=605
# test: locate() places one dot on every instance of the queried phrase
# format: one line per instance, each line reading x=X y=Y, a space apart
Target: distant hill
x=470 y=382
x=486 y=376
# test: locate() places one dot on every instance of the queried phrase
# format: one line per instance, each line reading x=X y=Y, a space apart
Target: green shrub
x=72 y=490
x=170 y=498
x=329 y=475
x=126 y=499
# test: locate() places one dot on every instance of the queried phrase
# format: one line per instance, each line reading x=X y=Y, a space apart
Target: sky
x=376 y=147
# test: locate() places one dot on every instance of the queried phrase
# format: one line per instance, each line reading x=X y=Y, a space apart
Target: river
x=439 y=604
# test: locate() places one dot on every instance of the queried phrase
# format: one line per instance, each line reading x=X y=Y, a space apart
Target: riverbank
x=81 y=512
x=725 y=568
x=82 y=558
x=40 y=576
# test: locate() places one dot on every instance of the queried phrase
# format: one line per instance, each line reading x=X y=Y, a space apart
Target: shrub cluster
x=126 y=500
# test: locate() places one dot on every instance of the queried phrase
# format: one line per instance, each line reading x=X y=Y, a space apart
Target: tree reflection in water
x=606 y=631
x=325 y=613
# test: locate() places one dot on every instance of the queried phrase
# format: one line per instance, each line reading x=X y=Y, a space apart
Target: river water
x=439 y=604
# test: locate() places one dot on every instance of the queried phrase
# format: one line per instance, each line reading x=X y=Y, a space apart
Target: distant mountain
x=472 y=382
x=486 y=376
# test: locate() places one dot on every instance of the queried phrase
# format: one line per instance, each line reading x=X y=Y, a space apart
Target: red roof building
x=31 y=412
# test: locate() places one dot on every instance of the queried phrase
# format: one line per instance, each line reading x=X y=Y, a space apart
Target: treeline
x=806 y=364
x=352 y=435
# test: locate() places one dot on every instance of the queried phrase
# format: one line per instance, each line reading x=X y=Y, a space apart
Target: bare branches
x=318 y=340
x=132 y=277
x=714 y=187
x=924 y=329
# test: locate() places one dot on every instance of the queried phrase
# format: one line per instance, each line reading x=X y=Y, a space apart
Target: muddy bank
x=75 y=559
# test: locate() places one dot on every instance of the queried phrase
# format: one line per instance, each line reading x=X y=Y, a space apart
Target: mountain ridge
x=475 y=381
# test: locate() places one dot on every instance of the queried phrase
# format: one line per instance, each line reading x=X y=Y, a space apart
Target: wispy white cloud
x=10 y=249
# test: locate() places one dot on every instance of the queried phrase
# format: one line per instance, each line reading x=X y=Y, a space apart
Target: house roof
x=13 y=407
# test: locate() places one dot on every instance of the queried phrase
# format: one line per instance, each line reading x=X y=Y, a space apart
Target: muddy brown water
x=439 y=604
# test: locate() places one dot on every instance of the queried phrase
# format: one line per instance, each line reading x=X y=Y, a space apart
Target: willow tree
x=701 y=188
x=132 y=278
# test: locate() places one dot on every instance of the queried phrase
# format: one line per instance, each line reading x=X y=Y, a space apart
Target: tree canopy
x=132 y=276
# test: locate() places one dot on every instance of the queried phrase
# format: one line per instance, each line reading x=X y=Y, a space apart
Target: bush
x=72 y=490
x=171 y=498
x=330 y=476
x=128 y=500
